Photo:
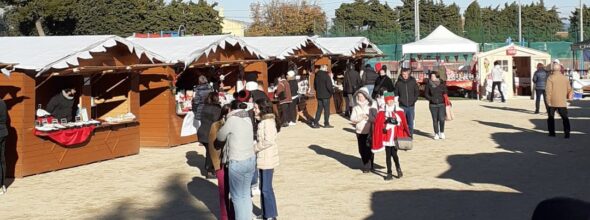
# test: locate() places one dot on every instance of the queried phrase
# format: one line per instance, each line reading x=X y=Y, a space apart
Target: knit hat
x=387 y=96
x=290 y=73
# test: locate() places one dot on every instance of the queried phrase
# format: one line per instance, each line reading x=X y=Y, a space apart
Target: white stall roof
x=43 y=53
x=191 y=48
x=346 y=46
x=281 y=46
x=441 y=40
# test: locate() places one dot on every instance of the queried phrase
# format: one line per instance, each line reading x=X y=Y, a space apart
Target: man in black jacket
x=369 y=77
x=352 y=82
x=3 y=135
x=61 y=106
x=408 y=91
x=324 y=89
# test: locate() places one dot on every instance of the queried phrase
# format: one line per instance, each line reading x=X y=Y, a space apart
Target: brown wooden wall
x=159 y=124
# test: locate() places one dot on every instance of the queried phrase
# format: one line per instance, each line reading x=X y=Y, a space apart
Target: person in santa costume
x=390 y=124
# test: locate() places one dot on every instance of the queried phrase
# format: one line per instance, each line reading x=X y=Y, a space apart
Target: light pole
x=581 y=21
x=520 y=23
x=417 y=19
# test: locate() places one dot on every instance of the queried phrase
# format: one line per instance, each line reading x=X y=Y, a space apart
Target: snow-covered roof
x=189 y=49
x=43 y=53
x=441 y=40
x=346 y=46
x=281 y=46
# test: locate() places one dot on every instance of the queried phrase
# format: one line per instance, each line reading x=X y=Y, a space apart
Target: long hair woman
x=210 y=113
x=267 y=157
x=435 y=89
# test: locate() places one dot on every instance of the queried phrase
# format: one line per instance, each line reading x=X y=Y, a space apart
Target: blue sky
x=240 y=10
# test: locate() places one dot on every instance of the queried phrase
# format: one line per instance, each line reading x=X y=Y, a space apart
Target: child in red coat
x=390 y=124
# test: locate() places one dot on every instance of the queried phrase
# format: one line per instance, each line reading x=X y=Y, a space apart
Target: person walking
x=239 y=156
x=362 y=116
x=215 y=153
x=294 y=88
x=497 y=78
x=435 y=89
x=267 y=158
x=283 y=94
x=202 y=90
x=540 y=80
x=408 y=91
x=209 y=114
x=390 y=124
x=369 y=77
x=558 y=90
x=352 y=82
x=324 y=89
x=3 y=136
x=383 y=82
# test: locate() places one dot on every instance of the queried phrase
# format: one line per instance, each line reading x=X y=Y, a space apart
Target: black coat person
x=61 y=105
x=383 y=82
x=3 y=135
x=352 y=83
x=324 y=89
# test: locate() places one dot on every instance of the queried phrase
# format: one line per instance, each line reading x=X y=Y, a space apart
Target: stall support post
x=134 y=94
x=86 y=95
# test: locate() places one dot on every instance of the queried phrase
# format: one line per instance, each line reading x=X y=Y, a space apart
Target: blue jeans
x=410 y=113
x=240 y=178
x=267 y=197
x=370 y=88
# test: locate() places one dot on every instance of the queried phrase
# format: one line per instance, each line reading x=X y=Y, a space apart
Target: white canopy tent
x=189 y=49
x=347 y=46
x=59 y=52
x=441 y=40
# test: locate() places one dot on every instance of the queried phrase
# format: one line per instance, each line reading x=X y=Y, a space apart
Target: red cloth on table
x=68 y=137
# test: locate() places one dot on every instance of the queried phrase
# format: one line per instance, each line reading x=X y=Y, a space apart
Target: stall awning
x=189 y=49
x=283 y=46
x=59 y=52
x=441 y=40
x=348 y=46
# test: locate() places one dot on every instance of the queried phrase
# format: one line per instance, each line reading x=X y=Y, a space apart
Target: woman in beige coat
x=267 y=157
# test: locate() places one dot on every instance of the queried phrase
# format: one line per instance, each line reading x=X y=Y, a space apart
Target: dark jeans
x=438 y=113
x=208 y=163
x=551 y=120
x=293 y=110
x=365 y=151
x=348 y=99
x=2 y=161
x=538 y=94
x=285 y=113
x=410 y=113
x=323 y=105
x=499 y=85
x=267 y=195
x=391 y=152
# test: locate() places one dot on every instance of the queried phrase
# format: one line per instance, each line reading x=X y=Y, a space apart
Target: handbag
x=404 y=143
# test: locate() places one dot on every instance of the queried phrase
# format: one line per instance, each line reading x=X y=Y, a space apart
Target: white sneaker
x=442 y=136
x=3 y=190
x=255 y=191
x=292 y=123
x=436 y=137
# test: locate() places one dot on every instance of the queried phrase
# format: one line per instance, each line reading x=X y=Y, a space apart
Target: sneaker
x=442 y=136
x=255 y=191
x=292 y=123
x=315 y=125
x=389 y=177
x=436 y=137
x=3 y=190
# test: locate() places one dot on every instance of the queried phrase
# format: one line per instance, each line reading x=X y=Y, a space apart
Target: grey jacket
x=238 y=134
x=540 y=79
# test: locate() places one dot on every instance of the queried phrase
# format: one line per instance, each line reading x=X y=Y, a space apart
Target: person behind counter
x=61 y=106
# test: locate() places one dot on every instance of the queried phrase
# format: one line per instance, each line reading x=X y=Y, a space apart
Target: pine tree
x=473 y=22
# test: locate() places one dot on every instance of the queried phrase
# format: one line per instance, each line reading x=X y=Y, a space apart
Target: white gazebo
x=441 y=40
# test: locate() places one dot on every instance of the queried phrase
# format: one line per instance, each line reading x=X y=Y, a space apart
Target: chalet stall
x=300 y=53
x=345 y=50
x=166 y=93
x=51 y=126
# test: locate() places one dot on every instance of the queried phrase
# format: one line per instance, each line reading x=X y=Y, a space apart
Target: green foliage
x=366 y=18
x=119 y=17
x=574 y=28
x=473 y=22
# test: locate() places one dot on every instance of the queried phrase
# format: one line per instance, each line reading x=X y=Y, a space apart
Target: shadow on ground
x=534 y=166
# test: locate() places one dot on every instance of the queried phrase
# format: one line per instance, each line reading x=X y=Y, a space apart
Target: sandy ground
x=497 y=163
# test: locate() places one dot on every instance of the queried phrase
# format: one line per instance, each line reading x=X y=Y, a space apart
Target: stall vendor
x=62 y=105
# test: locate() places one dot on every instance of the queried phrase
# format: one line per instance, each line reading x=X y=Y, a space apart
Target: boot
x=399 y=173
x=389 y=177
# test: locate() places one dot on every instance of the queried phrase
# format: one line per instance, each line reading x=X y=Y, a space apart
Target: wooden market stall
x=166 y=93
x=519 y=64
x=345 y=50
x=104 y=70
x=293 y=52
